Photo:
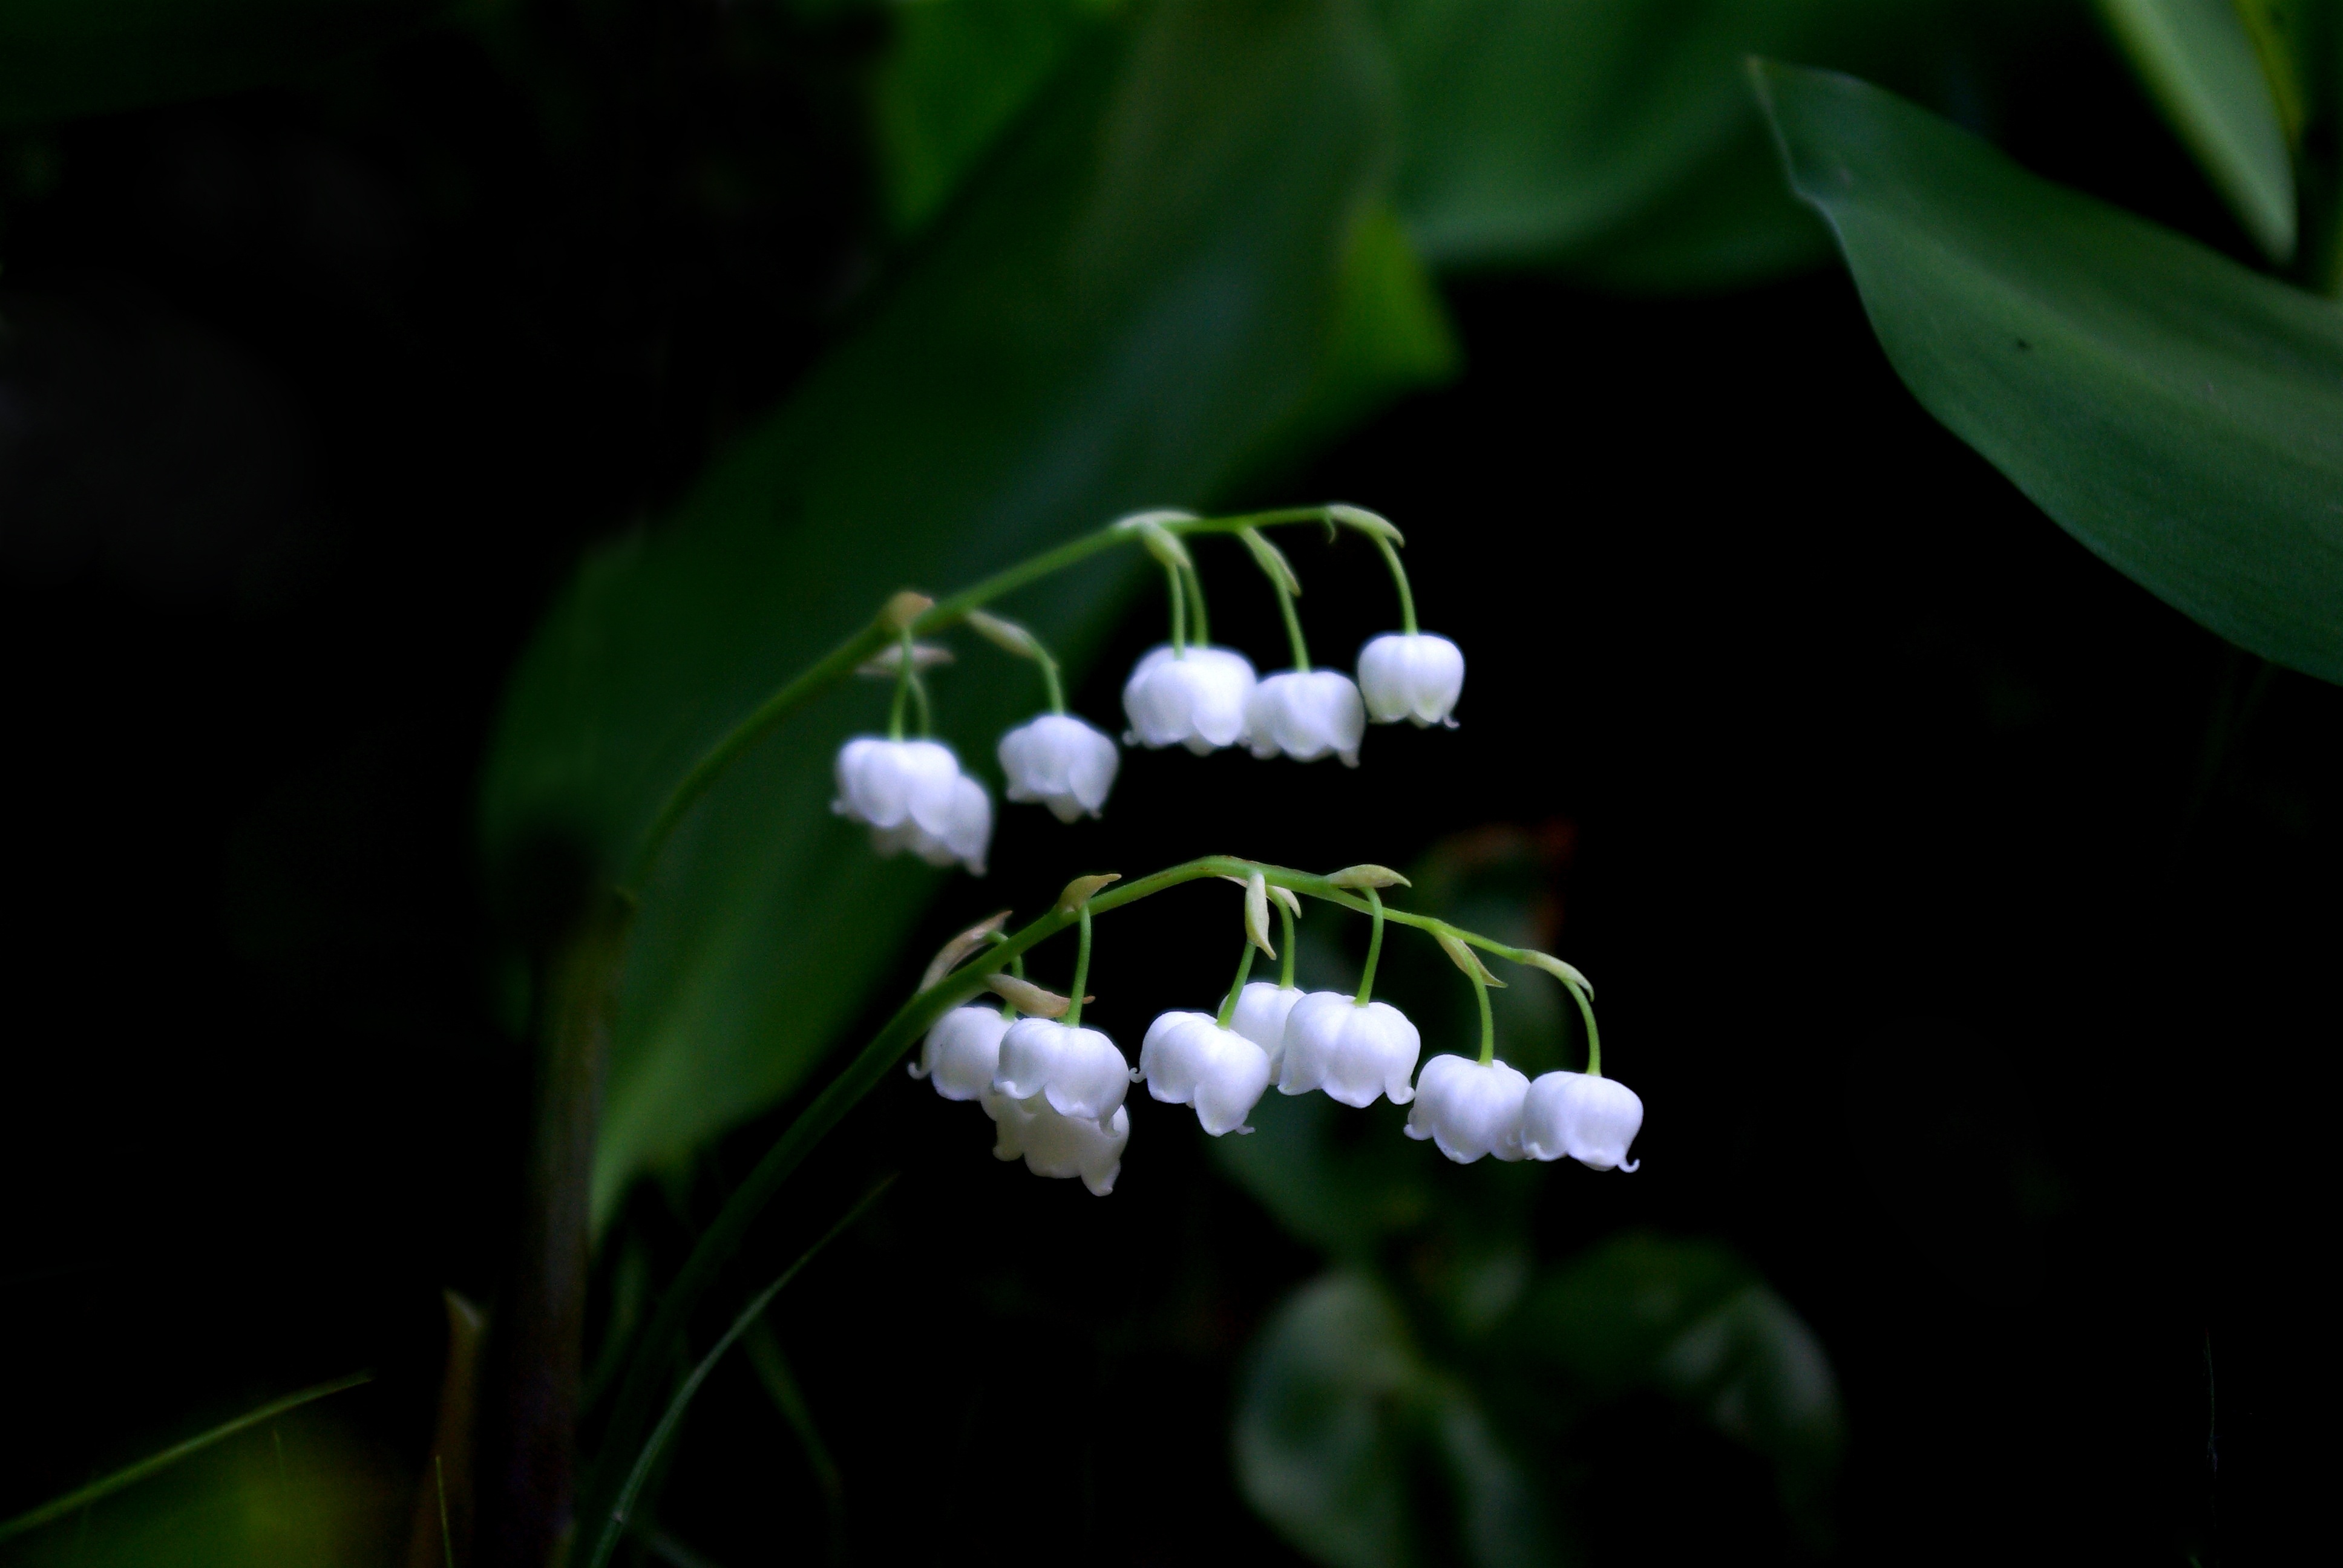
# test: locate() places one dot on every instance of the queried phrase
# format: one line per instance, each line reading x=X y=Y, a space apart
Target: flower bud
x=1052 y=1144
x=914 y=797
x=1261 y=1010
x=1187 y=1059
x=1196 y=700
x=1080 y=1071
x=1352 y=1052
x=1062 y=762
x=962 y=1051
x=1306 y=714
x=1469 y=1109
x=1412 y=676
x=1592 y=1120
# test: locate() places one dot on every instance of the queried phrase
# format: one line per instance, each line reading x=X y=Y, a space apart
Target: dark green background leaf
x=2199 y=64
x=61 y=58
x=2180 y=414
x=1134 y=301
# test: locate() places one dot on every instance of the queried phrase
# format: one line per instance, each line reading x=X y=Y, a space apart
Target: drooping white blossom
x=1469 y=1110
x=1052 y=1144
x=962 y=1051
x=1187 y=1059
x=1080 y=1071
x=1591 y=1120
x=1306 y=715
x=1195 y=700
x=1261 y=1009
x=1353 y=1052
x=1413 y=676
x=914 y=797
x=1062 y=762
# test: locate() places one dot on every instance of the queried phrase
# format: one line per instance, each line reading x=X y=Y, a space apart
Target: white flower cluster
x=1469 y=1109
x=914 y=795
x=1206 y=697
x=1055 y=1093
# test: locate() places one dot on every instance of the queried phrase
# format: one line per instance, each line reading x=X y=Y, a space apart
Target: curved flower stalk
x=1049 y=1147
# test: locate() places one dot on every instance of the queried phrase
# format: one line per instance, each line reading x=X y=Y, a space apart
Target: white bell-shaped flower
x=1306 y=714
x=1591 y=1120
x=962 y=1051
x=1080 y=1071
x=1469 y=1110
x=1352 y=1052
x=1052 y=1144
x=1062 y=762
x=1195 y=700
x=1261 y=1010
x=914 y=797
x=1187 y=1059
x=1411 y=675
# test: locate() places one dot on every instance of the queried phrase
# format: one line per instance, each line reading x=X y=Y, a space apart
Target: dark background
x=1963 y=915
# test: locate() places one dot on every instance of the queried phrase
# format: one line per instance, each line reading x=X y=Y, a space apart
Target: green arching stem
x=1199 y=625
x=920 y=701
x=1398 y=580
x=1488 y=1025
x=1050 y=684
x=650 y=1368
x=1073 y=1019
x=903 y=679
x=1594 y=1035
x=1285 y=953
x=1292 y=628
x=1236 y=986
x=1179 y=611
x=1374 y=950
x=856 y=650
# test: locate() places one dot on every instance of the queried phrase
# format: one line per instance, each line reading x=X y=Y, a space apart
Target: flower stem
x=902 y=686
x=1398 y=580
x=1594 y=1035
x=1236 y=986
x=649 y=1366
x=1374 y=950
x=1294 y=629
x=1285 y=951
x=1199 y=625
x=1073 y=1019
x=920 y=701
x=1488 y=1025
x=1178 y=612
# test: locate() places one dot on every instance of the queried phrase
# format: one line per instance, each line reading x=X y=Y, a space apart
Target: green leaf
x=1538 y=132
x=2200 y=66
x=63 y=58
x=1135 y=295
x=1322 y=1423
x=1692 y=1321
x=2178 y=414
x=956 y=73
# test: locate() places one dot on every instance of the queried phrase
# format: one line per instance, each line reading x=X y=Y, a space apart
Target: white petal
x=1261 y=1009
x=962 y=1051
x=1470 y=1110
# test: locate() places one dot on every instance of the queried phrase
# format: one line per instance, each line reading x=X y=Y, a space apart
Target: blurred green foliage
x=295 y=1493
x=2176 y=411
x=2197 y=59
x=61 y=58
x=1418 y=1402
x=1132 y=306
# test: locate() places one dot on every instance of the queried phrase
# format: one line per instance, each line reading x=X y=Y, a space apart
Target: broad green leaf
x=955 y=74
x=2178 y=414
x=62 y=57
x=2202 y=69
x=1323 y=1424
x=1133 y=298
x=1692 y=1321
x=1533 y=131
